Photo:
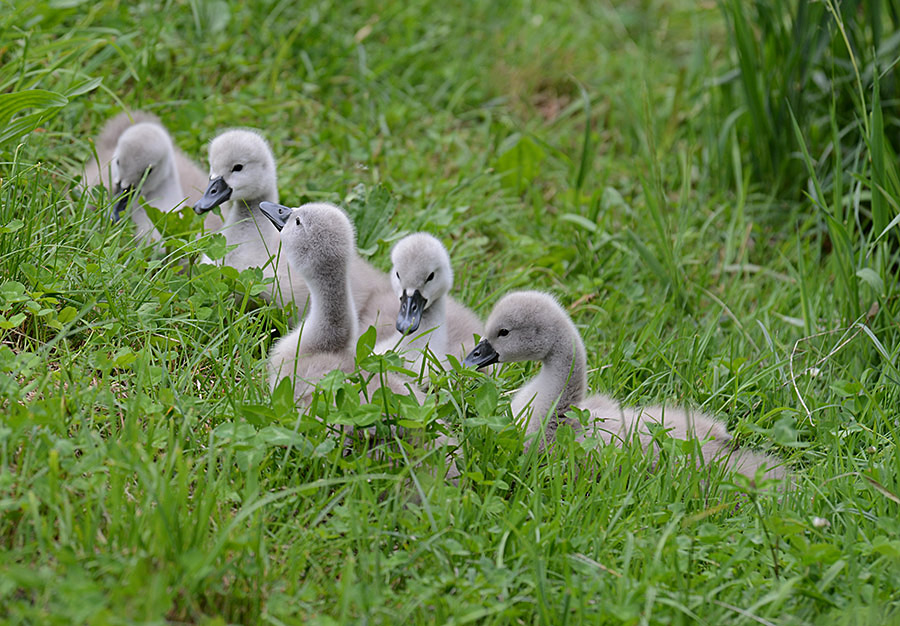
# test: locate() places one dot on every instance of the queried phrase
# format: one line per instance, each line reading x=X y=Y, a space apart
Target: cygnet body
x=319 y=243
x=421 y=277
x=241 y=175
x=532 y=326
x=137 y=158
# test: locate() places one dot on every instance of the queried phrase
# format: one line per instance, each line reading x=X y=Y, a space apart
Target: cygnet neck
x=245 y=209
x=434 y=319
x=562 y=380
x=331 y=325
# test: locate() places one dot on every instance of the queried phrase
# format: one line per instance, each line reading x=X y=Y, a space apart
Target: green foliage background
x=710 y=189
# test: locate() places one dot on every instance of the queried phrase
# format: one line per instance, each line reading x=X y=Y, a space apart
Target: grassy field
x=718 y=218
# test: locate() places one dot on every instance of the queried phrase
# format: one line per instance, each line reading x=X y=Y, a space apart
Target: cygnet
x=377 y=297
x=421 y=277
x=136 y=158
x=319 y=242
x=532 y=326
x=241 y=175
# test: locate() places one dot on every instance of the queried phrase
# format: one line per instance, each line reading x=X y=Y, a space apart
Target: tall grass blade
x=840 y=238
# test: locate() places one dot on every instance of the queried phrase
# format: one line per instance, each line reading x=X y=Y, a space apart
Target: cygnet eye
x=237 y=168
x=298 y=221
x=503 y=332
x=398 y=275
x=430 y=277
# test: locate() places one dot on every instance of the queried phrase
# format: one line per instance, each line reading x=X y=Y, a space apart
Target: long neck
x=561 y=383
x=247 y=209
x=331 y=325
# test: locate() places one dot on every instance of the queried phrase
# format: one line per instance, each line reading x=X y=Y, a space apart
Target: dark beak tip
x=216 y=193
x=410 y=316
x=121 y=204
x=482 y=355
x=276 y=213
x=469 y=361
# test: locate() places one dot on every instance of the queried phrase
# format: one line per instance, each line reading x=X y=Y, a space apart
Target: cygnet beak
x=217 y=193
x=482 y=356
x=277 y=213
x=410 y=315
x=121 y=204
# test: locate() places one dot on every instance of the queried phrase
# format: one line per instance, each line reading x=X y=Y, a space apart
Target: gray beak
x=217 y=193
x=410 y=315
x=276 y=213
x=482 y=355
x=121 y=204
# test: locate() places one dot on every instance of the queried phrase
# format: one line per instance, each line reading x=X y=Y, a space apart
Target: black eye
x=237 y=168
x=503 y=332
x=430 y=277
x=398 y=275
x=298 y=221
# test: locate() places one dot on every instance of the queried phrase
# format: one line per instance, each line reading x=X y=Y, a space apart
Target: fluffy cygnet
x=241 y=175
x=377 y=296
x=319 y=243
x=532 y=326
x=421 y=277
x=137 y=158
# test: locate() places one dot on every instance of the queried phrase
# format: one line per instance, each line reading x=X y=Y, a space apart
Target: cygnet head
x=241 y=167
x=318 y=238
x=143 y=153
x=524 y=326
x=421 y=276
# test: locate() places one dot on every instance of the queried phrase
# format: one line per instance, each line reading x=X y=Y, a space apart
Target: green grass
x=614 y=154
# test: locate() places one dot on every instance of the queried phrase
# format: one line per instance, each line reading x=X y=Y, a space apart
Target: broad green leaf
x=47 y=103
x=280 y=436
x=83 y=87
x=579 y=220
x=67 y=314
x=365 y=343
x=12 y=226
x=519 y=161
x=371 y=212
x=13 y=103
